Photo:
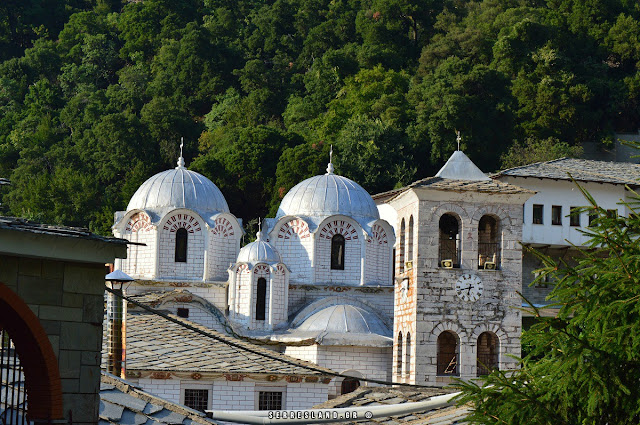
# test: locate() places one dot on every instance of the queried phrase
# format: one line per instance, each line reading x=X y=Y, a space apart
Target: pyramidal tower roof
x=460 y=167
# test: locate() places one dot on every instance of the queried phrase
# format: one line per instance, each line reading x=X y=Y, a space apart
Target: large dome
x=345 y=318
x=326 y=195
x=179 y=188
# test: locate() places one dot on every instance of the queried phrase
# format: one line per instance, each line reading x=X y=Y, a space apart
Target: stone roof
x=585 y=170
x=125 y=404
x=438 y=183
x=157 y=344
x=460 y=167
x=23 y=225
x=379 y=396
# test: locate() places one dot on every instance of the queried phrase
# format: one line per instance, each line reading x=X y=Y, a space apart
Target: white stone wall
x=260 y=270
x=141 y=260
x=295 y=245
x=223 y=248
x=216 y=294
x=197 y=315
x=371 y=362
x=353 y=252
x=242 y=303
x=193 y=268
x=305 y=352
x=239 y=395
x=378 y=257
x=278 y=303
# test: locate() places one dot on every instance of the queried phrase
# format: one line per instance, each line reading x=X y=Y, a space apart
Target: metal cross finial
x=458 y=138
x=259 y=224
x=181 y=159
x=330 y=166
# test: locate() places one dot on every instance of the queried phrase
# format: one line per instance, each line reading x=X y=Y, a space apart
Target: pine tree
x=583 y=366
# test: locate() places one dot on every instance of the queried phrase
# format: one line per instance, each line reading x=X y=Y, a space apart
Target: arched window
x=488 y=243
x=349 y=385
x=400 y=357
x=410 y=242
x=488 y=349
x=402 y=236
x=449 y=241
x=181 y=245
x=448 y=354
x=261 y=298
x=337 y=252
x=407 y=356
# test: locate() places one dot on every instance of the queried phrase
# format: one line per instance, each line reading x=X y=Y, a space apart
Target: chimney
x=116 y=322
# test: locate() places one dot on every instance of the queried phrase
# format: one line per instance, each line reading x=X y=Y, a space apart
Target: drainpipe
x=318 y=416
x=116 y=322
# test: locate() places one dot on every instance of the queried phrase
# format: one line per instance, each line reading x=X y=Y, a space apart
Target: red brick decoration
x=160 y=375
x=339 y=227
x=294 y=379
x=294 y=227
x=42 y=377
x=234 y=377
x=139 y=222
x=185 y=221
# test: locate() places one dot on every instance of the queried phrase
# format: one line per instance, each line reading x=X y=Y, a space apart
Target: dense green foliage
x=95 y=94
x=583 y=366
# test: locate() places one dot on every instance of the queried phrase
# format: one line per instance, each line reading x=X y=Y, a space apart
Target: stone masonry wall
x=193 y=268
x=68 y=299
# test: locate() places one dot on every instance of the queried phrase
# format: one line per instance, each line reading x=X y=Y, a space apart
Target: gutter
x=318 y=416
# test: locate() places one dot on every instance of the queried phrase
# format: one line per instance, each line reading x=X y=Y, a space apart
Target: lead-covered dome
x=179 y=188
x=327 y=195
x=259 y=251
x=345 y=318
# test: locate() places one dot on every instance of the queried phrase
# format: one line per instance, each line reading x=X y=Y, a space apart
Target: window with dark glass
x=402 y=236
x=537 y=214
x=488 y=349
x=181 y=245
x=592 y=216
x=261 y=298
x=337 y=252
x=447 y=354
x=574 y=216
x=270 y=400
x=612 y=213
x=556 y=215
x=183 y=312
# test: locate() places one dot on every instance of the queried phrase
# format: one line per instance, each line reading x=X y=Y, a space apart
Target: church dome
x=179 y=188
x=327 y=195
x=259 y=251
x=345 y=318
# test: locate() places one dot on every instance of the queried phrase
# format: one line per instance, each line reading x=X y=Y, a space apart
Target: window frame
x=181 y=249
x=198 y=387
x=574 y=217
x=556 y=215
x=261 y=301
x=533 y=214
x=270 y=389
x=337 y=259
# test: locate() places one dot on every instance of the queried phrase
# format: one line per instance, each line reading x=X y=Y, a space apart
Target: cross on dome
x=458 y=138
x=181 y=159
x=330 y=165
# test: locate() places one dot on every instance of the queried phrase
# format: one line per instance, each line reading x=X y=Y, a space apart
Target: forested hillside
x=95 y=94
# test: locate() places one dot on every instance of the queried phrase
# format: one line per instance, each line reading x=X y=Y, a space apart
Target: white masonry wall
x=353 y=252
x=193 y=268
x=295 y=244
x=223 y=248
x=140 y=261
x=239 y=395
x=378 y=257
x=216 y=294
x=197 y=315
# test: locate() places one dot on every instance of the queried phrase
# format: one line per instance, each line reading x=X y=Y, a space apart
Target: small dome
x=259 y=251
x=343 y=318
x=179 y=188
x=327 y=195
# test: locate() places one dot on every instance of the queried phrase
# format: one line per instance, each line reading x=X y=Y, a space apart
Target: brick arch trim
x=492 y=328
x=449 y=326
x=42 y=376
x=440 y=210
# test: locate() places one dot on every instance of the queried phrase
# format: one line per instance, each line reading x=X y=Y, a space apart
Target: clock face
x=469 y=287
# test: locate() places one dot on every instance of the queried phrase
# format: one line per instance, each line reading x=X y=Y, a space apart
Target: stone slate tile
x=152 y=408
x=133 y=418
x=110 y=411
x=168 y=417
x=117 y=397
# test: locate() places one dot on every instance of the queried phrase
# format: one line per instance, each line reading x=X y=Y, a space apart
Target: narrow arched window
x=410 y=242
x=400 y=357
x=261 y=298
x=448 y=354
x=337 y=252
x=407 y=356
x=488 y=349
x=402 y=236
x=488 y=243
x=449 y=241
x=181 y=245
x=349 y=385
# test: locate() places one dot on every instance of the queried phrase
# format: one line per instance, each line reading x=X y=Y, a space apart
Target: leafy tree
x=536 y=150
x=584 y=366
